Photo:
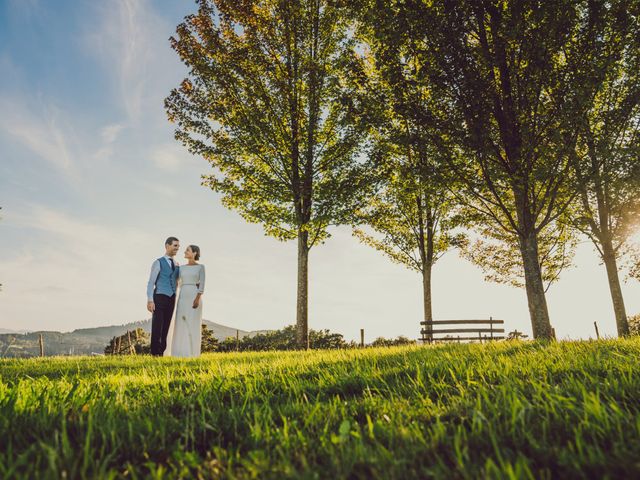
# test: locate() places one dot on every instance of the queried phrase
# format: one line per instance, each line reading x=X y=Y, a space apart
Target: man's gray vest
x=167 y=278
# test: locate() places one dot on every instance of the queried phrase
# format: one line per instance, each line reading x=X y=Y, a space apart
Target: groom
x=161 y=295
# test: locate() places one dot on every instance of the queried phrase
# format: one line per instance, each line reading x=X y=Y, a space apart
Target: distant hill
x=6 y=330
x=219 y=331
x=87 y=341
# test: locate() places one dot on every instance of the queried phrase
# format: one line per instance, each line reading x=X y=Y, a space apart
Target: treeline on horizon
x=137 y=342
x=507 y=130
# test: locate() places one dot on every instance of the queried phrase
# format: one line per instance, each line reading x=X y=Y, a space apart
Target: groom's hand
x=151 y=306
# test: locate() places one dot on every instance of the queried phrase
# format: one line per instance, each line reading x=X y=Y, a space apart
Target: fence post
x=362 y=337
x=426 y=332
x=480 y=336
x=597 y=332
x=237 y=340
x=41 y=345
x=491 y=326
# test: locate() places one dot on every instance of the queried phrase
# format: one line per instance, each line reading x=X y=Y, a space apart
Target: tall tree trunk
x=425 y=247
x=602 y=232
x=610 y=263
x=536 y=298
x=426 y=291
x=302 y=313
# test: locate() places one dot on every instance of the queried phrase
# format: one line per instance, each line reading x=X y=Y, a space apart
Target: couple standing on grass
x=182 y=337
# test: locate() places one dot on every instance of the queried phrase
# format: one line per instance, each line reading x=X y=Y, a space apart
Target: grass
x=507 y=410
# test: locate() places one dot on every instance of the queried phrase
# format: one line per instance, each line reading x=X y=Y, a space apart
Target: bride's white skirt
x=186 y=336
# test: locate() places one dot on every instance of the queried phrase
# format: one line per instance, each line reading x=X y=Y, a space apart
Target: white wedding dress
x=187 y=324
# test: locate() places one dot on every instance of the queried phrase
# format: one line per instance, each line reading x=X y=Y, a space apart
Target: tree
x=266 y=102
x=284 y=339
x=412 y=225
x=634 y=325
x=607 y=171
x=209 y=342
x=505 y=76
x=411 y=215
x=386 y=342
x=498 y=254
x=516 y=335
x=135 y=341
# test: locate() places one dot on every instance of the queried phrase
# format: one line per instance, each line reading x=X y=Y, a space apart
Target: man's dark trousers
x=160 y=322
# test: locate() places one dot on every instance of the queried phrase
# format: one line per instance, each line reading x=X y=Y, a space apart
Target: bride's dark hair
x=196 y=250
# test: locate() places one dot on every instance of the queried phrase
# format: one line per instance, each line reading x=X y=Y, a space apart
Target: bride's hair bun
x=196 y=250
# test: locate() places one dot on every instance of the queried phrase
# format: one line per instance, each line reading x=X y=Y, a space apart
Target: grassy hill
x=506 y=410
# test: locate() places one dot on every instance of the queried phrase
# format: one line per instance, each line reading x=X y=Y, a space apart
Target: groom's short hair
x=170 y=240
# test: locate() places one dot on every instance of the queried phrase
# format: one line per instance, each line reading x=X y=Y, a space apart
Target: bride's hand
x=196 y=302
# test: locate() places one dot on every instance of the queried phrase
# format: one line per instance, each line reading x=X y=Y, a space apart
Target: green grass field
x=508 y=410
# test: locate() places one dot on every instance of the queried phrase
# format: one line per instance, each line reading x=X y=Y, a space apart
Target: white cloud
x=163 y=190
x=131 y=40
x=172 y=157
x=84 y=240
x=165 y=159
x=109 y=136
x=110 y=133
x=44 y=131
x=68 y=269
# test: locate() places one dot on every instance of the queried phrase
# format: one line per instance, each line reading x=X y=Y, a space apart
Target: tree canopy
x=267 y=102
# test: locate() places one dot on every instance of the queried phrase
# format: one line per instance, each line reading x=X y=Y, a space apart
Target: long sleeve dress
x=187 y=332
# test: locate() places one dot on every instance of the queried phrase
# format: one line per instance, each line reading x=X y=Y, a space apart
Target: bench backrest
x=471 y=330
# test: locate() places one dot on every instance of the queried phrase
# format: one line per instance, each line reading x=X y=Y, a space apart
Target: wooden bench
x=478 y=332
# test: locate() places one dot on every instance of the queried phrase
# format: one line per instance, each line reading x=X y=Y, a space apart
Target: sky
x=92 y=182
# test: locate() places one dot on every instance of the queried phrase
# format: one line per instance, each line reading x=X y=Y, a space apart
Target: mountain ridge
x=90 y=341
x=219 y=331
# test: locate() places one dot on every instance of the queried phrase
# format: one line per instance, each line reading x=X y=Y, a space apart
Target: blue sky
x=92 y=181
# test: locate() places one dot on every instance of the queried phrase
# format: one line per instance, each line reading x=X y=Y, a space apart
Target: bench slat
x=455 y=339
x=465 y=330
x=457 y=322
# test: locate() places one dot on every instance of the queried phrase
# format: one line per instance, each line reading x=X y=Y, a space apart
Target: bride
x=187 y=330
